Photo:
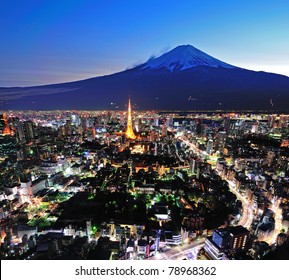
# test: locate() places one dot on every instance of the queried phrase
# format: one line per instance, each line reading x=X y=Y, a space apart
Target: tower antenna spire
x=129 y=131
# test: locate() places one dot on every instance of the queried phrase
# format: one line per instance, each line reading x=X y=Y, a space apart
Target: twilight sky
x=52 y=41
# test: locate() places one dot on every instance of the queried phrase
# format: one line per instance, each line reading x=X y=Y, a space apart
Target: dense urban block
x=144 y=185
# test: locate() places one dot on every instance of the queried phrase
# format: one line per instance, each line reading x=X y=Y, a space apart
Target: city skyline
x=148 y=185
x=48 y=42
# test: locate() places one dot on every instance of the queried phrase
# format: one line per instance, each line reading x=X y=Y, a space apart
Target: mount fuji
x=184 y=78
x=185 y=57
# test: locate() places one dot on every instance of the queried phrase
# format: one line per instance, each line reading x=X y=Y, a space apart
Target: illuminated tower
x=4 y=126
x=129 y=131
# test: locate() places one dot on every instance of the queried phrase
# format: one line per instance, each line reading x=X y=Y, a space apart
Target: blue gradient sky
x=50 y=41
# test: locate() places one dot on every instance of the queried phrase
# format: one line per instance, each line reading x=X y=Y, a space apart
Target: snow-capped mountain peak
x=185 y=57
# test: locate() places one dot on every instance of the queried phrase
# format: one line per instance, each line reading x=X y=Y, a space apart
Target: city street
x=247 y=208
x=187 y=251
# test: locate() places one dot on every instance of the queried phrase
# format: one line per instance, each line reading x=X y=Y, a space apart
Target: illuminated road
x=64 y=189
x=188 y=251
x=248 y=208
x=271 y=239
x=190 y=254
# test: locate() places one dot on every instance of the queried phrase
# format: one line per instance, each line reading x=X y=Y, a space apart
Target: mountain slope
x=182 y=79
x=184 y=57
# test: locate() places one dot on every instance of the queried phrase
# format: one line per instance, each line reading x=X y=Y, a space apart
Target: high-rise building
x=29 y=131
x=19 y=129
x=227 y=125
x=220 y=141
x=227 y=240
x=271 y=120
x=7 y=138
x=129 y=131
x=199 y=128
x=164 y=130
x=169 y=121
x=270 y=157
x=192 y=165
x=239 y=238
x=210 y=145
x=152 y=136
x=2 y=124
x=68 y=125
x=93 y=130
x=84 y=124
x=221 y=238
